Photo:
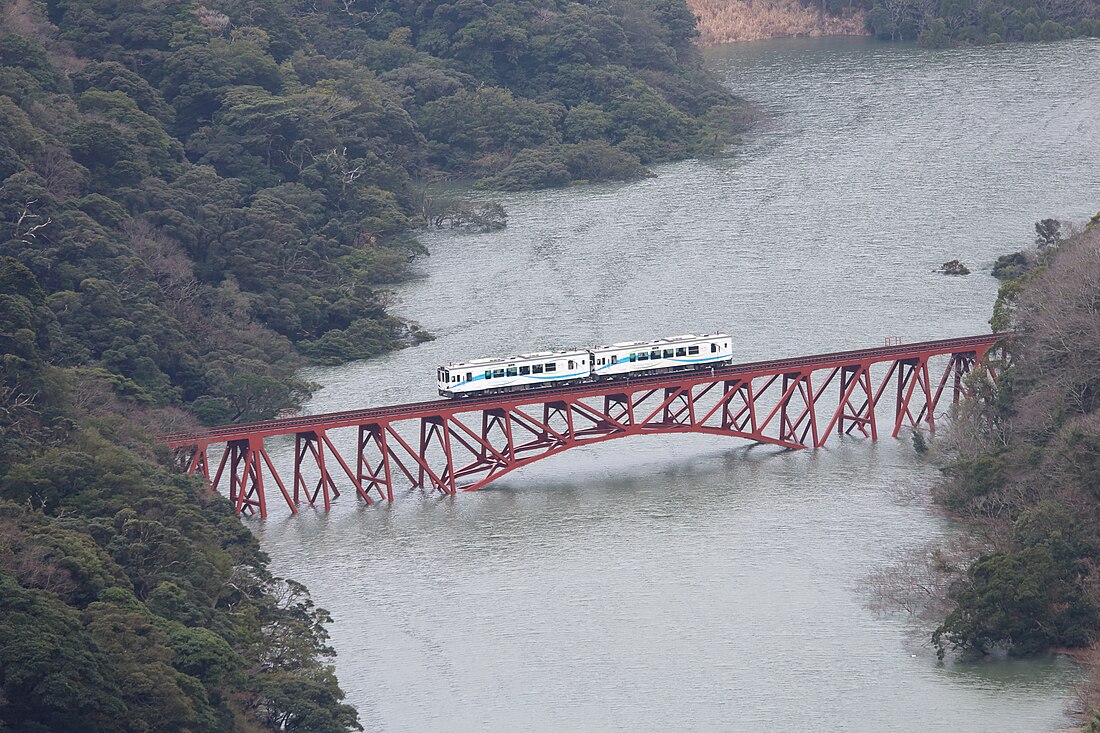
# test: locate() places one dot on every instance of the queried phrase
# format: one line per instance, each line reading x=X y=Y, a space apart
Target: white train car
x=674 y=353
x=517 y=372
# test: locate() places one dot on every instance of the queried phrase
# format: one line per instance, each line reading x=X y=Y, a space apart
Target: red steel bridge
x=463 y=444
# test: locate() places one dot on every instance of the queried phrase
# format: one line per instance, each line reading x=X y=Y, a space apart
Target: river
x=693 y=582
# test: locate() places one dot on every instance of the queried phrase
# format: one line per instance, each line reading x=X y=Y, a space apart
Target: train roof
x=577 y=352
x=509 y=359
x=667 y=340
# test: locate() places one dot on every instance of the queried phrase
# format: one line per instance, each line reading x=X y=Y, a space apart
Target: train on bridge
x=451 y=445
x=615 y=361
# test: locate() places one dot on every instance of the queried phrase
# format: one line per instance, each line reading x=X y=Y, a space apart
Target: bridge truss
x=462 y=445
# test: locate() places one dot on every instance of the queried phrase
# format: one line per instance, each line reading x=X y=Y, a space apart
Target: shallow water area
x=694 y=582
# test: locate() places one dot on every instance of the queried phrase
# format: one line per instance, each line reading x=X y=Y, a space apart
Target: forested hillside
x=939 y=23
x=195 y=201
x=249 y=173
x=1027 y=472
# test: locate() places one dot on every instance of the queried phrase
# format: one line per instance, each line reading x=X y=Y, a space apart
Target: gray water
x=693 y=582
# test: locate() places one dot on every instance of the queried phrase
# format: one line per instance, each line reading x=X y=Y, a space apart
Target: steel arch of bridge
x=462 y=445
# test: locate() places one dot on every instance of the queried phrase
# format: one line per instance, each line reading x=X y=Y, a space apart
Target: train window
x=644 y=356
x=693 y=350
x=614 y=359
x=552 y=366
x=572 y=364
x=488 y=374
x=524 y=371
x=681 y=351
x=497 y=373
x=512 y=371
x=634 y=357
x=656 y=354
x=536 y=369
x=714 y=348
x=669 y=353
x=469 y=376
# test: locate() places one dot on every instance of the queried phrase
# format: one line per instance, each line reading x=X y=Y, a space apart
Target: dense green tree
x=1026 y=602
x=28 y=55
x=53 y=675
x=469 y=125
x=935 y=35
x=582 y=35
x=417 y=84
x=197 y=78
x=595 y=160
x=157 y=696
x=587 y=121
x=111 y=76
x=531 y=169
x=954 y=22
x=1048 y=233
x=19 y=140
x=882 y=24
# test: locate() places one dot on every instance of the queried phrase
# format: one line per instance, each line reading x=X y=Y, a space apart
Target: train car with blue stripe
x=661 y=355
x=526 y=371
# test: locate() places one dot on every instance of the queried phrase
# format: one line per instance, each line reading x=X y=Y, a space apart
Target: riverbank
x=729 y=21
x=1024 y=467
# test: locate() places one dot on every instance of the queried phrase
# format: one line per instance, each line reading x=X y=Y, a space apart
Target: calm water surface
x=690 y=582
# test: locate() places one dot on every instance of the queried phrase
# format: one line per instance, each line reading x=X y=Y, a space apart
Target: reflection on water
x=693 y=582
x=1000 y=674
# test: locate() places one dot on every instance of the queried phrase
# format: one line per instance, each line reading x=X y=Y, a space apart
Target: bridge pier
x=375 y=476
x=247 y=460
x=853 y=378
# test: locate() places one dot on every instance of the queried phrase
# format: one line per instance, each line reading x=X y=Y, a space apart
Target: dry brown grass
x=726 y=21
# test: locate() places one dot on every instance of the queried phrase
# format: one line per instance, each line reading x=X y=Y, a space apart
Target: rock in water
x=953 y=267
